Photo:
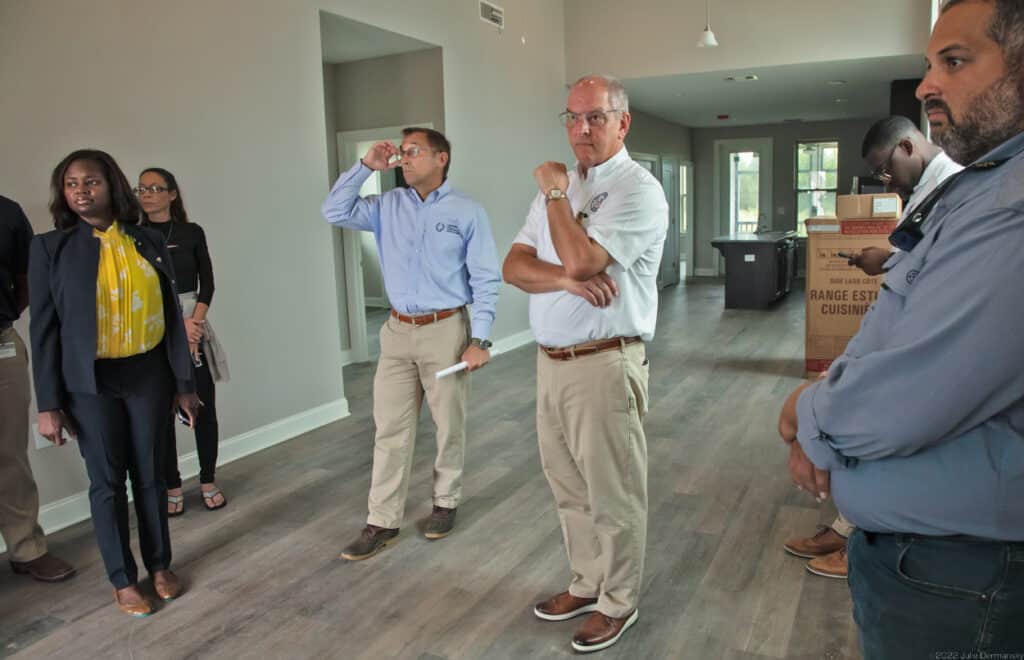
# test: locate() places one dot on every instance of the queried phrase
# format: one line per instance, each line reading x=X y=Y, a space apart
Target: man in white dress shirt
x=589 y=256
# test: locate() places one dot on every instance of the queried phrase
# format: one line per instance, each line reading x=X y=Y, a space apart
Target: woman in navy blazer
x=116 y=407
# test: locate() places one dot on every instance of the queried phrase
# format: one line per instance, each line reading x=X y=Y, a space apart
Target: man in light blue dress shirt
x=437 y=255
x=918 y=429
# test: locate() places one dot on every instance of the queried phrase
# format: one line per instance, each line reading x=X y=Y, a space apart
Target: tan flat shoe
x=166 y=585
x=138 y=609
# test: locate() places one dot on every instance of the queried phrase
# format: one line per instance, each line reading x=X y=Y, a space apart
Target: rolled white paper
x=451 y=370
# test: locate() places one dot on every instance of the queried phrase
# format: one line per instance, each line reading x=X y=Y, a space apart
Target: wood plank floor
x=263 y=579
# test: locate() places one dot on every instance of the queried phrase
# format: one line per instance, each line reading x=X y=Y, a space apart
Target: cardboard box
x=838 y=295
x=886 y=205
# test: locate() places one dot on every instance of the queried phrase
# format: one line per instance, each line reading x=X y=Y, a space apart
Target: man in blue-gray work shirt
x=437 y=255
x=918 y=430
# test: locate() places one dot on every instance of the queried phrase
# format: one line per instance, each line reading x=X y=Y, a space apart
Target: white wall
x=661 y=38
x=650 y=134
x=230 y=96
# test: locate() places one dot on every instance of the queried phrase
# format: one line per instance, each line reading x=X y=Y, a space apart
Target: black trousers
x=121 y=432
x=207 y=432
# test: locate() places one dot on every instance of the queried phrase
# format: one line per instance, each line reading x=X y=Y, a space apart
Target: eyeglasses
x=151 y=189
x=593 y=118
x=413 y=151
x=883 y=173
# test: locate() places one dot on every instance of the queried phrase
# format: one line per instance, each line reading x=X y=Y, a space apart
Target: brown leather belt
x=426 y=319
x=588 y=348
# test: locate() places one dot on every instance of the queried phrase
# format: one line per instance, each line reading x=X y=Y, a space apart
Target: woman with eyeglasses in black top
x=164 y=210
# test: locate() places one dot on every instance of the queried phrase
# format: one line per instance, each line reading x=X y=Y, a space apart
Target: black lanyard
x=910 y=230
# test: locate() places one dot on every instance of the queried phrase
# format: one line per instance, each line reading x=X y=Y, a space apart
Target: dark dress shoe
x=371 y=540
x=45 y=569
x=600 y=631
x=440 y=523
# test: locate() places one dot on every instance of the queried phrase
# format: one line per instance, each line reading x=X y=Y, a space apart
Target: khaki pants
x=409 y=357
x=594 y=454
x=19 y=499
x=843 y=527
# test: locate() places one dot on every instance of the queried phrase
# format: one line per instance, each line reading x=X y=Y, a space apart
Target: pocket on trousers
x=913 y=567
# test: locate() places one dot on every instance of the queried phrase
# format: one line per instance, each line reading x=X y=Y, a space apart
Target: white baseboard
x=512 y=342
x=74 y=509
x=705 y=272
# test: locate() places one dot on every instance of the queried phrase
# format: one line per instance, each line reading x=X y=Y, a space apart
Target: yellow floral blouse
x=129 y=303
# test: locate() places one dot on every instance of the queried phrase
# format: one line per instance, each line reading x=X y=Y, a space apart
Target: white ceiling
x=782 y=92
x=345 y=40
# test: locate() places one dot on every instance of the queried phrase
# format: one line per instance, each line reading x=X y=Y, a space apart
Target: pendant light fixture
x=707 y=38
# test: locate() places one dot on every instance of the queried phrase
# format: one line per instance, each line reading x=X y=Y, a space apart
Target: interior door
x=743 y=187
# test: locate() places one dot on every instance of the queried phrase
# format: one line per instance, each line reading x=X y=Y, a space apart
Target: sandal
x=176 y=501
x=210 y=495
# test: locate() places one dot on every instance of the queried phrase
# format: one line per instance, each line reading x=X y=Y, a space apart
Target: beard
x=993 y=117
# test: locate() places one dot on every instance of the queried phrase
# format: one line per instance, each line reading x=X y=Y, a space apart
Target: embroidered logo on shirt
x=597 y=201
x=450 y=228
x=912 y=275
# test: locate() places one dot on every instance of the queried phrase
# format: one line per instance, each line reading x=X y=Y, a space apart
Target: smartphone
x=183 y=417
x=846 y=255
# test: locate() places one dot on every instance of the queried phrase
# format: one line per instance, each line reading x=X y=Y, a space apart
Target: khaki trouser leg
x=19 y=498
x=843 y=527
x=397 y=396
x=594 y=453
x=441 y=345
x=409 y=358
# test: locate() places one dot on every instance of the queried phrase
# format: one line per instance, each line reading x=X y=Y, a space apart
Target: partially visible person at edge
x=110 y=359
x=163 y=209
x=19 y=497
x=918 y=430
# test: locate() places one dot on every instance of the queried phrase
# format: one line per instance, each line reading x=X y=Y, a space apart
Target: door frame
x=690 y=259
x=351 y=247
x=764 y=146
x=672 y=163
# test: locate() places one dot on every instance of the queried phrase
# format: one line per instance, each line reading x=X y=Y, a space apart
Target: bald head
x=617 y=97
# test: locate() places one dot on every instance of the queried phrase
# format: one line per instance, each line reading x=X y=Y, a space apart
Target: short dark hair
x=437 y=141
x=178 y=213
x=887 y=132
x=123 y=205
x=1006 y=29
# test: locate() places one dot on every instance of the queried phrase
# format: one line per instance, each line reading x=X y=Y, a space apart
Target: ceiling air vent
x=492 y=14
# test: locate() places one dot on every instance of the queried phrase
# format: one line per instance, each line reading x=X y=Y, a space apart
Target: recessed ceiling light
x=750 y=77
x=836 y=83
x=842 y=100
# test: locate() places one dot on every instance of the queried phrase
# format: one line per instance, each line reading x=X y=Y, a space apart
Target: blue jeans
x=937 y=599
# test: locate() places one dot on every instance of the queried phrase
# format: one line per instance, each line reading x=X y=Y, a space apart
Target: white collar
x=602 y=170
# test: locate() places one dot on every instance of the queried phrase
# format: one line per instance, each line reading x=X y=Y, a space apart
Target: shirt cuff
x=814 y=442
x=482 y=328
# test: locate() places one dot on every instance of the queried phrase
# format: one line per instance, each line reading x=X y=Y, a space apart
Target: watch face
x=555 y=193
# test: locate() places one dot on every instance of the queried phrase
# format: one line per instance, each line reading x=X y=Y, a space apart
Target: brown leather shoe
x=564 y=606
x=45 y=569
x=371 y=540
x=440 y=523
x=832 y=565
x=132 y=602
x=600 y=631
x=167 y=585
x=825 y=542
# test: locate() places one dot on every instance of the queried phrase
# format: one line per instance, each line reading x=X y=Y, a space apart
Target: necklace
x=170 y=230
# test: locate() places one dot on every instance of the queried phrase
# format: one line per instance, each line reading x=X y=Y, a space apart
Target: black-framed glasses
x=138 y=190
x=593 y=118
x=884 y=172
